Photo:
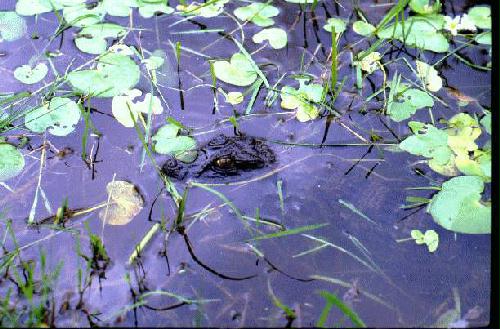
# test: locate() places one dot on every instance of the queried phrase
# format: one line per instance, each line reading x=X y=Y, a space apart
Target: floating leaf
x=479 y=165
x=419 y=32
x=126 y=111
x=429 y=76
x=363 y=28
x=92 y=39
x=150 y=8
x=80 y=15
x=234 y=97
x=430 y=238
x=257 y=13
x=480 y=16
x=125 y=203
x=416 y=126
x=483 y=38
x=301 y=100
x=408 y=103
x=370 y=62
x=168 y=142
x=114 y=75
x=35 y=7
x=417 y=98
x=238 y=71
x=12 y=26
x=458 y=207
x=463 y=130
x=423 y=7
x=447 y=169
x=433 y=144
x=337 y=23
x=153 y=62
x=277 y=37
x=11 y=161
x=400 y=111
x=59 y=116
x=204 y=9
x=28 y=75
x=121 y=8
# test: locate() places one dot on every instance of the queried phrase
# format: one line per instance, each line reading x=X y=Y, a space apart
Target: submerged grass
x=332 y=300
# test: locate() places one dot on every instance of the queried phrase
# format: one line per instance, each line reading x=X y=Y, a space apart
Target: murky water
x=393 y=284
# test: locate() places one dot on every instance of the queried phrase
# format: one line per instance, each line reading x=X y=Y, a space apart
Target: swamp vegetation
x=244 y=163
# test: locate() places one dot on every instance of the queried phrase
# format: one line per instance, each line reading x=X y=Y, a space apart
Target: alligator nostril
x=173 y=168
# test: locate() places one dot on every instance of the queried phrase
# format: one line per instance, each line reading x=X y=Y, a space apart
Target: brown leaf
x=125 y=203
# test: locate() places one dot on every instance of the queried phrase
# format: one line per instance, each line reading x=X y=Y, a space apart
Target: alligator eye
x=224 y=163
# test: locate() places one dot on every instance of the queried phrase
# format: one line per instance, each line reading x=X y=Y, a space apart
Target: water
x=398 y=284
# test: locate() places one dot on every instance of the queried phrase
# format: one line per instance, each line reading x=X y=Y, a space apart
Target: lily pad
x=11 y=161
x=458 y=207
x=480 y=16
x=120 y=8
x=80 y=15
x=169 y=142
x=114 y=75
x=238 y=71
x=92 y=39
x=126 y=111
x=337 y=23
x=257 y=13
x=429 y=76
x=484 y=38
x=125 y=203
x=150 y=8
x=363 y=28
x=408 y=103
x=479 y=165
x=429 y=238
x=370 y=62
x=424 y=7
x=302 y=100
x=12 y=26
x=234 y=97
x=203 y=9
x=30 y=75
x=463 y=130
x=35 y=7
x=419 y=32
x=432 y=144
x=59 y=116
x=277 y=37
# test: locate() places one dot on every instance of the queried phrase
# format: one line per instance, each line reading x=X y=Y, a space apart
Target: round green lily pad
x=59 y=116
x=114 y=75
x=30 y=75
x=12 y=26
x=238 y=71
x=11 y=161
x=277 y=37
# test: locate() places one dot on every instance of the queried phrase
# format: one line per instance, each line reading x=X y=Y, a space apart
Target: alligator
x=221 y=157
